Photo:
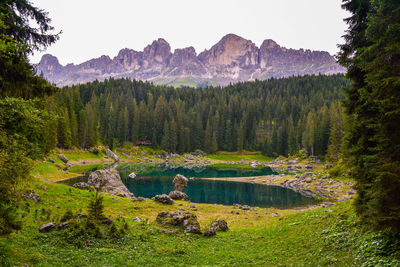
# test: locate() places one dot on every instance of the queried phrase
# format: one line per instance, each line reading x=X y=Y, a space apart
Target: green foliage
x=18 y=39
x=96 y=206
x=22 y=139
x=199 y=152
x=372 y=56
x=286 y=114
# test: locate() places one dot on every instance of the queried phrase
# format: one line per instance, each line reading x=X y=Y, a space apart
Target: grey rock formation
x=47 y=227
x=191 y=226
x=220 y=225
x=111 y=155
x=231 y=60
x=178 y=195
x=180 y=218
x=110 y=182
x=63 y=225
x=63 y=158
x=209 y=231
x=164 y=199
x=31 y=195
x=180 y=182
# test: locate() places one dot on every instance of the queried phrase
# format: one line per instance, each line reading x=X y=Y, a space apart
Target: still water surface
x=153 y=180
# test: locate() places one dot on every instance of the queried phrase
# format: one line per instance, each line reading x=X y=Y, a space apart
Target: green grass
x=237 y=156
x=77 y=155
x=235 y=166
x=85 y=168
x=319 y=237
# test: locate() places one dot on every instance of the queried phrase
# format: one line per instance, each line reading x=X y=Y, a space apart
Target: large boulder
x=63 y=158
x=164 y=199
x=180 y=182
x=110 y=182
x=111 y=155
x=191 y=226
x=209 y=231
x=184 y=219
x=63 y=225
x=220 y=225
x=178 y=195
x=47 y=227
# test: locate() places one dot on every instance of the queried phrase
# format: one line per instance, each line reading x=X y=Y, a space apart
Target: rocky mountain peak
x=50 y=64
x=230 y=60
x=231 y=50
x=268 y=44
x=183 y=56
x=158 y=52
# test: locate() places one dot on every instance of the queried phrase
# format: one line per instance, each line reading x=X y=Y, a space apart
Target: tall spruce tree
x=372 y=55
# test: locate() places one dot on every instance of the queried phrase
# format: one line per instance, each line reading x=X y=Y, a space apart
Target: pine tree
x=372 y=55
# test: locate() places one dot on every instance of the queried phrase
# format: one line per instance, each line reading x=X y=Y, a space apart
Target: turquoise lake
x=153 y=180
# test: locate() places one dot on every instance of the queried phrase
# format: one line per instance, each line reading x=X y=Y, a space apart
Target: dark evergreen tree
x=372 y=55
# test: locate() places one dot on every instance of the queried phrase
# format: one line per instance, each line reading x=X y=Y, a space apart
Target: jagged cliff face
x=231 y=60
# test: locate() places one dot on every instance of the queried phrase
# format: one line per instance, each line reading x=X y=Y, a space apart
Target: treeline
x=277 y=116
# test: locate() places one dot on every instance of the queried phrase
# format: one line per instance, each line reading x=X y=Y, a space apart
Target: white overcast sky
x=91 y=28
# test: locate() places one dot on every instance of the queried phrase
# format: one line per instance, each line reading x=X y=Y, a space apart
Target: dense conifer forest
x=277 y=116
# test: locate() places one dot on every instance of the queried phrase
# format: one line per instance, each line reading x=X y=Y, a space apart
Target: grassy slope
x=324 y=236
x=230 y=156
x=315 y=237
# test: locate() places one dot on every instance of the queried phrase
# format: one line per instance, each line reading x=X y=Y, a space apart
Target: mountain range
x=231 y=60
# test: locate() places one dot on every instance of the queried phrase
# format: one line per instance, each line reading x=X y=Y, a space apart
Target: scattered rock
x=164 y=199
x=351 y=192
x=111 y=154
x=180 y=218
x=136 y=219
x=209 y=231
x=81 y=215
x=62 y=158
x=58 y=166
x=178 y=195
x=245 y=207
x=31 y=195
x=81 y=185
x=47 y=227
x=180 y=182
x=51 y=160
x=132 y=175
x=63 y=225
x=161 y=215
x=191 y=226
x=345 y=198
x=327 y=204
x=308 y=180
x=220 y=225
